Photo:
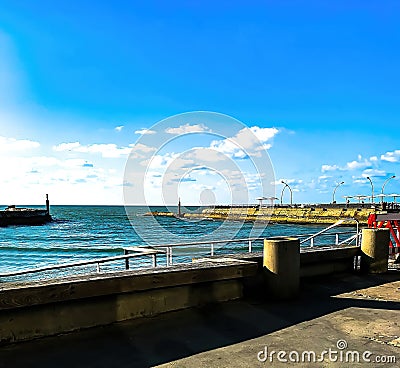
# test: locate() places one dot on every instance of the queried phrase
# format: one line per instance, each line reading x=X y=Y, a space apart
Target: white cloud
x=350 y=166
x=324 y=177
x=187 y=128
x=373 y=172
x=141 y=151
x=160 y=162
x=264 y=134
x=202 y=156
x=73 y=163
x=139 y=147
x=228 y=147
x=12 y=144
x=42 y=161
x=393 y=156
x=106 y=150
x=66 y=146
x=354 y=165
x=247 y=142
x=232 y=178
x=289 y=181
x=360 y=181
x=325 y=168
x=119 y=128
x=49 y=172
x=145 y=131
x=250 y=138
x=293 y=181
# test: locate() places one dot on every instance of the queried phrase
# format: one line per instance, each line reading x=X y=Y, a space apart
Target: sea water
x=80 y=233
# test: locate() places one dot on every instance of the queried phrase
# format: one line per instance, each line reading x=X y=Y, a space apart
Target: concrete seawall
x=36 y=309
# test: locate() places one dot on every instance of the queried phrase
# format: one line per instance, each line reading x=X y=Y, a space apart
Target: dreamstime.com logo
x=339 y=355
x=201 y=159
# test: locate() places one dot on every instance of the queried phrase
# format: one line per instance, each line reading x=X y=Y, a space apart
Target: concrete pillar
x=375 y=250
x=282 y=266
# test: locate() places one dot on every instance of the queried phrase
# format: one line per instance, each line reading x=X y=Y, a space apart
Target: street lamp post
x=383 y=186
x=291 y=193
x=334 y=191
x=372 y=189
x=283 y=189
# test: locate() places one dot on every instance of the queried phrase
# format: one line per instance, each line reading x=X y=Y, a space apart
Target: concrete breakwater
x=13 y=215
x=293 y=215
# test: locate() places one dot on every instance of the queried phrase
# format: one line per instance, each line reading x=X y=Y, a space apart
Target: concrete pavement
x=363 y=311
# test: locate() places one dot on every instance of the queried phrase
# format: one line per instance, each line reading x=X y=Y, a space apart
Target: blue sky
x=323 y=75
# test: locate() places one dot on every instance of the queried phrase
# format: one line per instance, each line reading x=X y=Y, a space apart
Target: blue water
x=88 y=232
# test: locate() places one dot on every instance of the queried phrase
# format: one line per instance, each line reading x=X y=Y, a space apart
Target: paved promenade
x=360 y=312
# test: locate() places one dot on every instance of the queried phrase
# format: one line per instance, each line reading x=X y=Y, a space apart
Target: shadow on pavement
x=175 y=335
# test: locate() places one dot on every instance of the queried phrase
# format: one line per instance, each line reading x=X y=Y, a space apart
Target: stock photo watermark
x=339 y=354
x=198 y=159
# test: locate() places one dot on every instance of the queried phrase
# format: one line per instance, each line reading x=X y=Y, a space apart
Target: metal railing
x=355 y=236
x=166 y=250
x=97 y=262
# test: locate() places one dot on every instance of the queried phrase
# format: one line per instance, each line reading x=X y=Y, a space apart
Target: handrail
x=351 y=238
x=322 y=231
x=339 y=222
x=206 y=242
x=358 y=233
x=79 y=263
x=241 y=240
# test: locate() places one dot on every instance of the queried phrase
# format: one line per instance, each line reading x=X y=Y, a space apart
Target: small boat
x=13 y=215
